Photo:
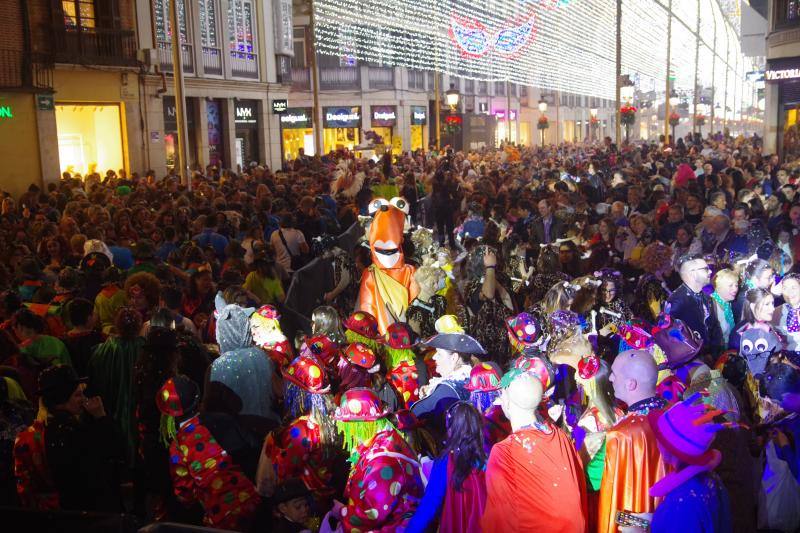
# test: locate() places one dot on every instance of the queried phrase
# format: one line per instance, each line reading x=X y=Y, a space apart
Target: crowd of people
x=582 y=337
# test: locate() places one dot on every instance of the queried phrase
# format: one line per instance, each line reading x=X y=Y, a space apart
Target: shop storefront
x=502 y=126
x=383 y=122
x=216 y=146
x=90 y=137
x=785 y=73
x=171 y=132
x=247 y=123
x=419 y=119
x=297 y=131
x=341 y=127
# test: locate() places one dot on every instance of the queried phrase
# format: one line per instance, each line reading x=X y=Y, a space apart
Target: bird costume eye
x=376 y=205
x=401 y=204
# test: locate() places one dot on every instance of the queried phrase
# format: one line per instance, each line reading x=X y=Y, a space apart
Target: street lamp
x=542 y=106
x=451 y=96
x=626 y=93
x=592 y=123
x=542 y=111
x=673 y=98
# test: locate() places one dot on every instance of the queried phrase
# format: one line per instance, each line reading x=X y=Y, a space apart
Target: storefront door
x=89 y=137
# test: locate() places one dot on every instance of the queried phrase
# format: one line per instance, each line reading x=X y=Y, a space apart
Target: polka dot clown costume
x=400 y=361
x=267 y=335
x=363 y=327
x=201 y=469
x=384 y=485
x=303 y=448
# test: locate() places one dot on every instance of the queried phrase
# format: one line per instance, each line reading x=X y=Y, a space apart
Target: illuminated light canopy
x=533 y=43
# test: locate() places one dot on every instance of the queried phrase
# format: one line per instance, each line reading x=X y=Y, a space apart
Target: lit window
x=208 y=22
x=78 y=13
x=162 y=19
x=240 y=27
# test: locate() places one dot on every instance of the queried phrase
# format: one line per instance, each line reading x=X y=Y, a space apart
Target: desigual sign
x=384 y=115
x=341 y=117
x=296 y=118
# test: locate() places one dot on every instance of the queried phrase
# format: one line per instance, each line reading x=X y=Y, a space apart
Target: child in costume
x=384 y=485
x=304 y=448
x=203 y=470
x=267 y=335
x=362 y=327
x=484 y=390
x=401 y=362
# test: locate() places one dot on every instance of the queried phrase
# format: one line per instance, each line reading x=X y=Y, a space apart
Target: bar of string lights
x=563 y=45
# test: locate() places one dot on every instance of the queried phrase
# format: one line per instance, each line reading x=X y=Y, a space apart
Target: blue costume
x=699 y=505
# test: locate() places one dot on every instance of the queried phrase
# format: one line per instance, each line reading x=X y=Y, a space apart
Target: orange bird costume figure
x=387 y=286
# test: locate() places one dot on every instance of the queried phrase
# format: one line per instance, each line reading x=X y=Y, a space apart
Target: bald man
x=534 y=474
x=633 y=461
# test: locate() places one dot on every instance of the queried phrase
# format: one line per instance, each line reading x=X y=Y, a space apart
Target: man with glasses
x=690 y=304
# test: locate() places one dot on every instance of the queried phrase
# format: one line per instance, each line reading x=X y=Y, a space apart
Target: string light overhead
x=563 y=45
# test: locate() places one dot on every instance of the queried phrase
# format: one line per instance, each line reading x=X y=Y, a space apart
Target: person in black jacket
x=445 y=202
x=82 y=445
x=693 y=306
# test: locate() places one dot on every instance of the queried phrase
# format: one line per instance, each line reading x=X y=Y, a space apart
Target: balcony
x=164 y=49
x=244 y=65
x=381 y=78
x=94 y=46
x=301 y=79
x=212 y=61
x=21 y=70
x=339 y=78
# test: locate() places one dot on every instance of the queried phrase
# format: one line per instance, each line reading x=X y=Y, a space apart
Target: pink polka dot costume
x=384 y=486
x=296 y=452
x=400 y=362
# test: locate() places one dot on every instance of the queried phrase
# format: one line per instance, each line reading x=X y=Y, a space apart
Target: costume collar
x=643 y=407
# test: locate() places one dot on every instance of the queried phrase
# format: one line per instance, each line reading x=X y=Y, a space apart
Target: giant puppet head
x=386 y=231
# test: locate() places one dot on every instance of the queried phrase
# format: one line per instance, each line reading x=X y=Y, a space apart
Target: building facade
x=782 y=78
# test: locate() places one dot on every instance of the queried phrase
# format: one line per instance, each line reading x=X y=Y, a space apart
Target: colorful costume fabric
x=700 y=504
x=35 y=486
x=202 y=471
x=532 y=479
x=404 y=379
x=384 y=486
x=388 y=285
x=633 y=464
x=296 y=452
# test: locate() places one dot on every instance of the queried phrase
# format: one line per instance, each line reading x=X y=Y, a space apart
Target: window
x=523 y=90
x=469 y=86
x=162 y=18
x=483 y=87
x=787 y=13
x=500 y=88
x=240 y=28
x=78 y=13
x=416 y=79
x=299 y=59
x=208 y=23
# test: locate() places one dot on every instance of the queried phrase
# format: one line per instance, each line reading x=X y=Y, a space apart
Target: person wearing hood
x=242 y=367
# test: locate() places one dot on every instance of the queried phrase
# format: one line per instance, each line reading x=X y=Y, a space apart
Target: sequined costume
x=202 y=471
x=384 y=486
x=650 y=296
x=485 y=321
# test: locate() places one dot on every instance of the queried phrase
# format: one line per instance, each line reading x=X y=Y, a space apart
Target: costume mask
x=756 y=346
x=386 y=231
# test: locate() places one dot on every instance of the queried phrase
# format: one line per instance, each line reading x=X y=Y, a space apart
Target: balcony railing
x=341 y=78
x=212 y=61
x=301 y=78
x=381 y=78
x=165 y=56
x=20 y=70
x=244 y=65
x=95 y=46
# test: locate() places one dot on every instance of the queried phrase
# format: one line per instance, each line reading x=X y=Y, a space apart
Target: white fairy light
x=565 y=45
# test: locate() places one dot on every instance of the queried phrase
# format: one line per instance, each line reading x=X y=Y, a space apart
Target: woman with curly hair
x=457 y=485
x=143 y=291
x=654 y=287
x=111 y=373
